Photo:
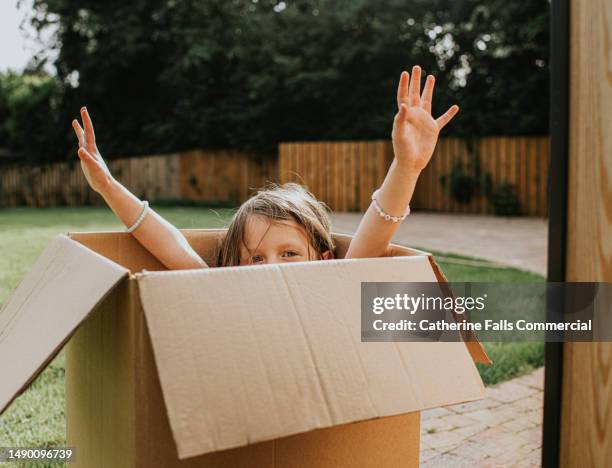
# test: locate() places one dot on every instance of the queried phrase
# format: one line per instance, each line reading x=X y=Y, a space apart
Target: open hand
x=415 y=131
x=96 y=172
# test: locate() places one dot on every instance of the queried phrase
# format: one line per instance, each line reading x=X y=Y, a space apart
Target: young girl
x=286 y=223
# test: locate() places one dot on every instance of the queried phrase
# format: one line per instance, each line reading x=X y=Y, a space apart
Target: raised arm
x=415 y=134
x=156 y=234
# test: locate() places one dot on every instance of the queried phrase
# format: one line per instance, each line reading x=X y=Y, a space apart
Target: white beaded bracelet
x=145 y=207
x=386 y=215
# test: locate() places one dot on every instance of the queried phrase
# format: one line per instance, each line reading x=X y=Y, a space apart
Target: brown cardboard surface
x=123 y=248
x=382 y=442
x=101 y=377
x=117 y=414
x=283 y=353
x=63 y=286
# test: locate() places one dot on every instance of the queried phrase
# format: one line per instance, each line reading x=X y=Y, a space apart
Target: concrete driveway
x=520 y=242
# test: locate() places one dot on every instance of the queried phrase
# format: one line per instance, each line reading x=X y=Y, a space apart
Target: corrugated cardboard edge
x=60 y=238
x=474 y=346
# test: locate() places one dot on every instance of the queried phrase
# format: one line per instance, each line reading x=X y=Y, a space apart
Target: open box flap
x=245 y=357
x=474 y=346
x=65 y=283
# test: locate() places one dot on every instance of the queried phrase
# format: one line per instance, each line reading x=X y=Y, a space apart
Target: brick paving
x=502 y=430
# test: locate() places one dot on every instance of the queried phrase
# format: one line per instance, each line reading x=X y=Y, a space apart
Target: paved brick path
x=502 y=430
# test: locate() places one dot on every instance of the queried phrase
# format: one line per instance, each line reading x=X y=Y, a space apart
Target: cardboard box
x=248 y=366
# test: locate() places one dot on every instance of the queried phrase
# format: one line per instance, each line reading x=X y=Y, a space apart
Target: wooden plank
x=532 y=174
x=281 y=161
x=297 y=153
x=309 y=165
x=514 y=175
x=324 y=155
x=488 y=165
x=355 y=177
x=361 y=173
x=545 y=160
x=541 y=174
x=345 y=175
x=290 y=164
x=454 y=152
x=586 y=432
x=322 y=195
x=313 y=168
x=440 y=165
x=438 y=169
x=460 y=149
x=522 y=183
x=354 y=187
x=482 y=206
x=349 y=179
x=322 y=162
x=496 y=166
x=336 y=175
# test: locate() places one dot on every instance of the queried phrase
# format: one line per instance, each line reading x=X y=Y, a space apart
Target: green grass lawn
x=36 y=418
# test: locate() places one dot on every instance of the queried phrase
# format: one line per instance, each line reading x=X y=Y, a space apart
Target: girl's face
x=278 y=241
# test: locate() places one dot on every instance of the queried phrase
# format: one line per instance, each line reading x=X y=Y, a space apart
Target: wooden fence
x=343 y=174
x=225 y=176
x=151 y=177
x=215 y=176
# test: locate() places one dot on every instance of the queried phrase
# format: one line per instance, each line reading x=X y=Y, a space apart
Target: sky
x=17 y=46
x=15 y=50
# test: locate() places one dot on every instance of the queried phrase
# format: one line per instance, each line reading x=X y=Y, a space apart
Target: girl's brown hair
x=288 y=202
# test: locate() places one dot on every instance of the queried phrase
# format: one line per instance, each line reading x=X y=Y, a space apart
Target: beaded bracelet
x=145 y=207
x=386 y=215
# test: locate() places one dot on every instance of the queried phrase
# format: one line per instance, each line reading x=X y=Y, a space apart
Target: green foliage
x=510 y=359
x=463 y=183
x=168 y=75
x=466 y=181
x=505 y=200
x=28 y=114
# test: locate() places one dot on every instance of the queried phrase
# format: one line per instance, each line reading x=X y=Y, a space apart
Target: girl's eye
x=291 y=254
x=256 y=259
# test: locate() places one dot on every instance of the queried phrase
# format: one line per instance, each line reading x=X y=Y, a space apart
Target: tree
x=28 y=115
x=168 y=75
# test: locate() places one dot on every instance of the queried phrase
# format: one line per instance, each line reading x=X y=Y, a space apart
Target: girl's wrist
x=406 y=168
x=110 y=185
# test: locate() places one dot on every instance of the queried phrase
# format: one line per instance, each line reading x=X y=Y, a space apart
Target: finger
x=428 y=93
x=447 y=116
x=90 y=137
x=414 y=90
x=400 y=117
x=402 y=89
x=79 y=132
x=85 y=156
